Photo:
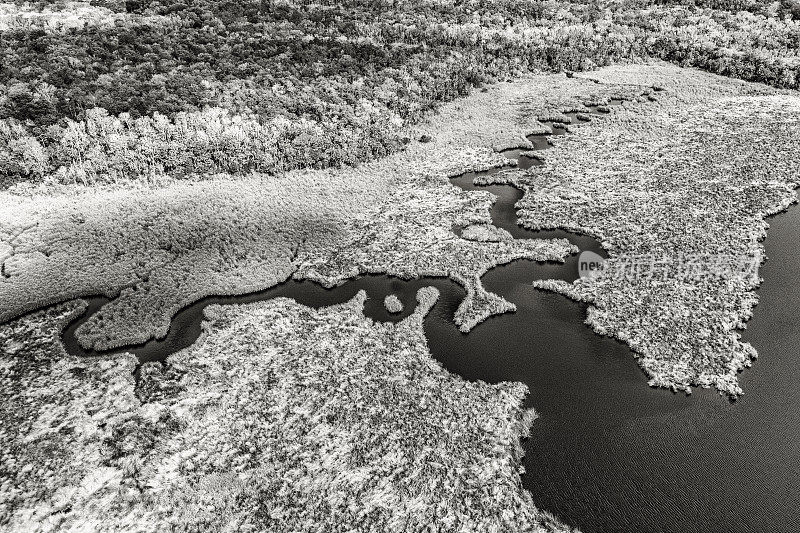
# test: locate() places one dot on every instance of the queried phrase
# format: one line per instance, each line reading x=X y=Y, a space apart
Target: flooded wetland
x=607 y=453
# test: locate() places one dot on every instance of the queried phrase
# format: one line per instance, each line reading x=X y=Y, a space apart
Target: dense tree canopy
x=348 y=69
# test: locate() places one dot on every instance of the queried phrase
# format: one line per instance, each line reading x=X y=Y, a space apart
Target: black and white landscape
x=381 y=266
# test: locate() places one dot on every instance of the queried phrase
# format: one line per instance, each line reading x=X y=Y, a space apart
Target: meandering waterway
x=608 y=453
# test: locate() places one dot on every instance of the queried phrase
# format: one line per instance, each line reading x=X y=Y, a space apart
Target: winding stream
x=185 y=327
x=608 y=453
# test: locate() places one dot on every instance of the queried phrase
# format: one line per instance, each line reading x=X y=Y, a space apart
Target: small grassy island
x=393 y=304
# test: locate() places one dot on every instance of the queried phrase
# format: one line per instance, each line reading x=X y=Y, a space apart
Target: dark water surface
x=608 y=453
x=185 y=327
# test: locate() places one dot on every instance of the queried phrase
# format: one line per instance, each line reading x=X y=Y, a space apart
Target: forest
x=134 y=90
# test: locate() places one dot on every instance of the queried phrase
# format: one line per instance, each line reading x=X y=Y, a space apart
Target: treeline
x=779 y=9
x=114 y=149
x=191 y=59
x=743 y=45
x=349 y=73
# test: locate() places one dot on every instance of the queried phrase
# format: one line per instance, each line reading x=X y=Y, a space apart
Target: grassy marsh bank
x=254 y=428
x=163 y=249
x=166 y=248
x=682 y=186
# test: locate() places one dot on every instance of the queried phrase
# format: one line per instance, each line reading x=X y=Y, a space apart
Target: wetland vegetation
x=300 y=266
